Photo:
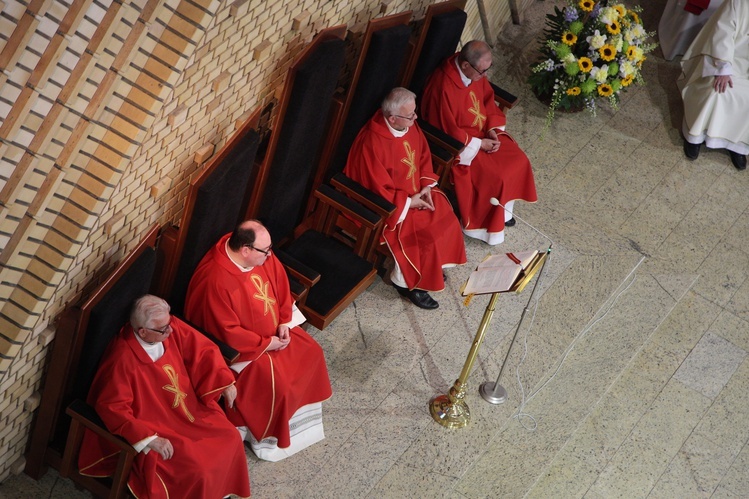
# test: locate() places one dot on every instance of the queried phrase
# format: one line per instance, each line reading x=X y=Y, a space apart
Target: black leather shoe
x=691 y=151
x=738 y=160
x=418 y=297
x=510 y=222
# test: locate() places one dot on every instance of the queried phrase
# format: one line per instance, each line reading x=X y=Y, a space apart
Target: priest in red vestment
x=240 y=293
x=157 y=387
x=460 y=101
x=390 y=156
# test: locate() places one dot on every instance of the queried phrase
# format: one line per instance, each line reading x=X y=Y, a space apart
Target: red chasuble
x=244 y=309
x=396 y=168
x=467 y=112
x=174 y=398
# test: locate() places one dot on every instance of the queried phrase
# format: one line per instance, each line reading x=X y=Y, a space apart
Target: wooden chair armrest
x=436 y=136
x=361 y=194
x=298 y=290
x=504 y=98
x=304 y=275
x=229 y=354
x=84 y=414
x=348 y=206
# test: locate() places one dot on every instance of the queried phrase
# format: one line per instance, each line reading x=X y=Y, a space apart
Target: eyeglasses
x=410 y=117
x=481 y=73
x=162 y=330
x=265 y=252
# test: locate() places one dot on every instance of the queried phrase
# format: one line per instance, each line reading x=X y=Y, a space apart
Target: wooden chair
x=379 y=68
x=333 y=272
x=83 y=334
x=440 y=35
x=214 y=206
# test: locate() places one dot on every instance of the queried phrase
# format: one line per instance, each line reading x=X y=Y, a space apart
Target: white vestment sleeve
x=142 y=446
x=470 y=151
x=405 y=210
x=715 y=67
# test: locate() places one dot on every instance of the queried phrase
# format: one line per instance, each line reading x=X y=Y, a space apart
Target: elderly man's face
x=405 y=117
x=478 y=71
x=157 y=329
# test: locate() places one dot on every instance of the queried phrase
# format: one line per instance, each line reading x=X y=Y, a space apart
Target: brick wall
x=103 y=107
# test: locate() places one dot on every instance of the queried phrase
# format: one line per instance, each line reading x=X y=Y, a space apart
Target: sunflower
x=614 y=28
x=587 y=5
x=573 y=91
x=608 y=52
x=627 y=80
x=634 y=15
x=569 y=38
x=585 y=64
x=605 y=90
x=631 y=52
x=620 y=9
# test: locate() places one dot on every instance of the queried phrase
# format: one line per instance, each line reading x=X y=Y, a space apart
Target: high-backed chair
x=440 y=35
x=334 y=272
x=213 y=207
x=384 y=51
x=83 y=334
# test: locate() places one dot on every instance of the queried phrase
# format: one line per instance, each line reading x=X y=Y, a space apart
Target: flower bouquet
x=591 y=51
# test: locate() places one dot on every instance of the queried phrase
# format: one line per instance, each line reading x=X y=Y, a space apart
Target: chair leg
x=121 y=474
x=72 y=447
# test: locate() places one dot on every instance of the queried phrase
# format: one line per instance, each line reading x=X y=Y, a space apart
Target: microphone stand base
x=449 y=414
x=492 y=392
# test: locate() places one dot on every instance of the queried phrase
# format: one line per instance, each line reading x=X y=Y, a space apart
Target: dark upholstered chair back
x=287 y=187
x=108 y=316
x=379 y=74
x=440 y=41
x=217 y=207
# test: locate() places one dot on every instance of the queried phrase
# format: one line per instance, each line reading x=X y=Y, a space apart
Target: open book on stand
x=498 y=273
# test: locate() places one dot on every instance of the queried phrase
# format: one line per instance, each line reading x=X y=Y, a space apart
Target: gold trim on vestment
x=179 y=395
x=273 y=400
x=263 y=294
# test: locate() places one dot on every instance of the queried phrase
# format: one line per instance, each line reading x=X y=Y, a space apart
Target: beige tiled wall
x=103 y=107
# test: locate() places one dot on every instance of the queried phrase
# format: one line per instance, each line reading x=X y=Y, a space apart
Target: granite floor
x=629 y=377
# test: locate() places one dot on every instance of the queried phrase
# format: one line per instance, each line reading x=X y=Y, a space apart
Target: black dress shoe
x=510 y=222
x=738 y=160
x=691 y=151
x=418 y=297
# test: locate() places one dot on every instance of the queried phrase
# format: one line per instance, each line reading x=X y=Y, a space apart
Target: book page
x=492 y=279
x=523 y=258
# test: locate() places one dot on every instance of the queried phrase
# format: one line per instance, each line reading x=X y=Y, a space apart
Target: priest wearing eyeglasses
x=459 y=100
x=240 y=293
x=157 y=387
x=390 y=157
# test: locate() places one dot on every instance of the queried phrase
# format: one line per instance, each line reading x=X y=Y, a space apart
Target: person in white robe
x=715 y=85
x=680 y=24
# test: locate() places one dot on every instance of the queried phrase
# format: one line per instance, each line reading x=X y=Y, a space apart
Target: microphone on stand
x=495 y=202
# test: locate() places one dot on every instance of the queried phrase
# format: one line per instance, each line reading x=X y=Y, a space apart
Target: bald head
x=245 y=234
x=474 y=51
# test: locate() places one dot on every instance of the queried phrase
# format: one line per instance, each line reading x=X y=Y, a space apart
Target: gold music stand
x=451 y=410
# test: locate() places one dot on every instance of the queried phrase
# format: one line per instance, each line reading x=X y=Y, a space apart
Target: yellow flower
x=635 y=53
x=587 y=5
x=620 y=9
x=569 y=38
x=634 y=15
x=614 y=28
x=585 y=64
x=573 y=91
x=605 y=90
x=608 y=52
x=627 y=80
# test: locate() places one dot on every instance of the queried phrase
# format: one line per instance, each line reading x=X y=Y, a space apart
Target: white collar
x=154 y=350
x=466 y=81
x=396 y=133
